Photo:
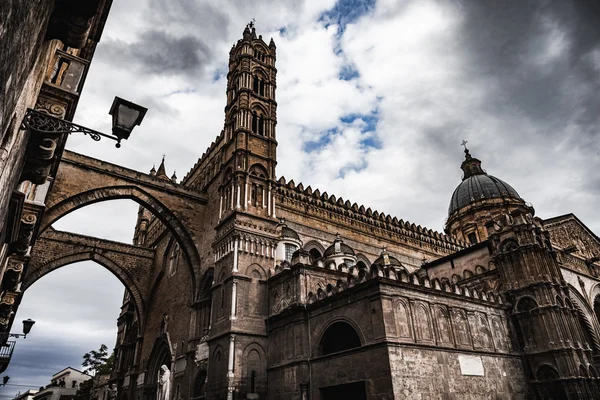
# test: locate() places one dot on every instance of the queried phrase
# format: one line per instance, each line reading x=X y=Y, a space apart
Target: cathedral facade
x=243 y=285
x=303 y=295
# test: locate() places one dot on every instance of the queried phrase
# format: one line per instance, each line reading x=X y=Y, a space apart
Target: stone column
x=230 y=374
x=234 y=300
x=235 y=254
x=221 y=206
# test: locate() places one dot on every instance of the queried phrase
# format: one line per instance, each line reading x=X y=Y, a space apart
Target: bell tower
x=250 y=120
x=246 y=231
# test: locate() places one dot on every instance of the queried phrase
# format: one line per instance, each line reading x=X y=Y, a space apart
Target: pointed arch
x=140 y=196
x=117 y=270
x=161 y=355
x=339 y=335
x=586 y=316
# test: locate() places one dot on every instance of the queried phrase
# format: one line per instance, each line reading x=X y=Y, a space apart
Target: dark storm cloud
x=160 y=53
x=203 y=19
x=539 y=56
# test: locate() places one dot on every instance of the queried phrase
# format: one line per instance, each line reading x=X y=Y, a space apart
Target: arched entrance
x=548 y=387
x=160 y=355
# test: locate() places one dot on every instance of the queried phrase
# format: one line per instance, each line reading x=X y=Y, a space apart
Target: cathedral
x=244 y=285
x=304 y=295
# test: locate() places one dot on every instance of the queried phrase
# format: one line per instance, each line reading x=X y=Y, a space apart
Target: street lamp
x=126 y=115
x=27 y=324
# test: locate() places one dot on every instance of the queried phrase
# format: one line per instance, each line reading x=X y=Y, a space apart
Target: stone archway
x=586 y=316
x=161 y=355
x=140 y=196
x=136 y=292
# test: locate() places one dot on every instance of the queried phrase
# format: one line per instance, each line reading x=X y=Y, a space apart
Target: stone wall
x=419 y=373
x=23 y=27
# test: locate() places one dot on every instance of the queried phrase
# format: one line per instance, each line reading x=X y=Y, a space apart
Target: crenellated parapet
x=290 y=195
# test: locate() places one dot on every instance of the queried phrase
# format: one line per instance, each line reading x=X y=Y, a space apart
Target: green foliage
x=85 y=390
x=107 y=367
x=98 y=361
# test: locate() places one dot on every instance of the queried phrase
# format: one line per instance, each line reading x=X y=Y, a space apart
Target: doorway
x=349 y=391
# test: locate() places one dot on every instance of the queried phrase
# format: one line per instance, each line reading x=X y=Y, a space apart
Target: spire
x=471 y=166
x=161 y=173
x=272 y=43
x=247 y=35
x=153 y=170
x=174 y=177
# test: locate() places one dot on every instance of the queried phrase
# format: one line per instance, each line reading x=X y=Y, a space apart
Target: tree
x=98 y=361
x=85 y=390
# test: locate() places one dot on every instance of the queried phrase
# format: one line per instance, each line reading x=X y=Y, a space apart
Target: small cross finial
x=464 y=144
x=251 y=24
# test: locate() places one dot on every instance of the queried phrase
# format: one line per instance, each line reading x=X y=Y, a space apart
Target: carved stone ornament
x=71 y=21
x=12 y=275
x=23 y=242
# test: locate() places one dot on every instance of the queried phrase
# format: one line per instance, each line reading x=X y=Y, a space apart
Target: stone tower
x=250 y=120
x=558 y=360
x=246 y=232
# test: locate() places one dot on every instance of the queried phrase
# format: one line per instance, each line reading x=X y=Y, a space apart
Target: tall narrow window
x=253 y=382
x=261 y=126
x=254 y=123
x=255 y=84
x=254 y=198
x=262 y=88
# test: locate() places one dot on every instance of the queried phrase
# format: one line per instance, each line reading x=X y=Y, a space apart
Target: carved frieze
x=570 y=233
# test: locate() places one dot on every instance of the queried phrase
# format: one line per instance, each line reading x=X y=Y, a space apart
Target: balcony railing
x=6 y=351
x=68 y=71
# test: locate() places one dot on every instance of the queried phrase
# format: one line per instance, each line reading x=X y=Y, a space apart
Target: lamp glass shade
x=5 y=379
x=127 y=116
x=27 y=324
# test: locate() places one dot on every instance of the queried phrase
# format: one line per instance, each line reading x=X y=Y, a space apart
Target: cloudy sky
x=374 y=99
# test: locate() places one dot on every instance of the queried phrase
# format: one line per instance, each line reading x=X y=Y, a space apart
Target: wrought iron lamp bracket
x=47 y=124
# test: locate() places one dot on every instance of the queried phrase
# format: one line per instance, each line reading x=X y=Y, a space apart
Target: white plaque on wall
x=470 y=365
x=201 y=352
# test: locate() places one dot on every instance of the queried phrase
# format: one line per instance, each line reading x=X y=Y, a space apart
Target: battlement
x=315 y=200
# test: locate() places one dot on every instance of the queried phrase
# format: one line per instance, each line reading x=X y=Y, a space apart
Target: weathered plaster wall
x=419 y=373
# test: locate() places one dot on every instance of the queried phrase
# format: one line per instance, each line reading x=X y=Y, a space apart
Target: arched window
x=315 y=254
x=174 y=259
x=338 y=337
x=204 y=305
x=255 y=84
x=199 y=391
x=526 y=304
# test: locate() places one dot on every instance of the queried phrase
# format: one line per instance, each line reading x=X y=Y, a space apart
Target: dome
x=478 y=185
x=289 y=233
x=338 y=247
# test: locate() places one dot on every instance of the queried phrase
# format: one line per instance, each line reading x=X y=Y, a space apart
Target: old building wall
x=437 y=374
x=170 y=296
x=23 y=27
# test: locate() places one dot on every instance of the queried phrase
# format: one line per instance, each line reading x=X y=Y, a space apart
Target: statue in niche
x=164 y=324
x=164 y=383
x=112 y=392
